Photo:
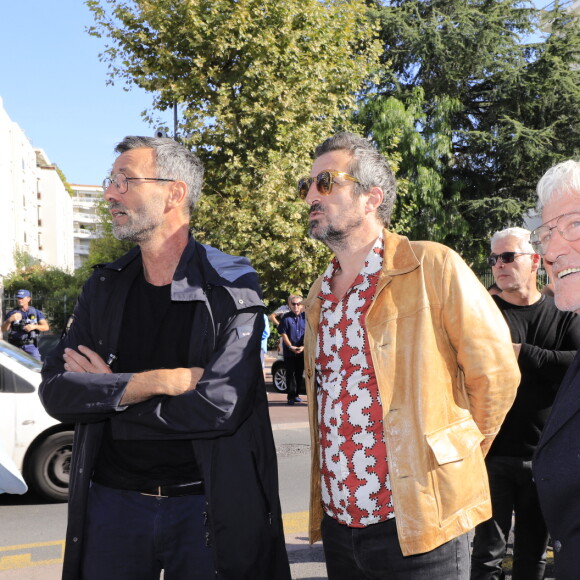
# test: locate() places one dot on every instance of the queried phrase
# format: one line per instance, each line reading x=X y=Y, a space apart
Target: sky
x=54 y=87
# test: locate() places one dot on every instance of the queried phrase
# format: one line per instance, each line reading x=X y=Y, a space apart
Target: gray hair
x=292 y=296
x=520 y=234
x=368 y=165
x=173 y=161
x=560 y=180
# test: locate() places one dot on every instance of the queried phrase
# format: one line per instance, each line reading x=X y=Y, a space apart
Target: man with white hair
x=556 y=461
x=545 y=341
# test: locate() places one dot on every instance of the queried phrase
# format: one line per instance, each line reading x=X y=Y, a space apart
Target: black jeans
x=374 y=553
x=294 y=371
x=512 y=490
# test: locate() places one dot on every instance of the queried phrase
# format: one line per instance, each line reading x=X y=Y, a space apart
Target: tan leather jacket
x=447 y=375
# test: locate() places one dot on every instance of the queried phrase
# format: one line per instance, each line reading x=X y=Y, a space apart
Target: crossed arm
x=141 y=386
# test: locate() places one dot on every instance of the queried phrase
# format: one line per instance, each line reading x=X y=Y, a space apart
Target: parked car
x=279 y=374
x=39 y=445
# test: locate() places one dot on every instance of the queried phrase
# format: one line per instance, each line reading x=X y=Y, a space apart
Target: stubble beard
x=333 y=237
x=140 y=224
x=329 y=235
x=566 y=301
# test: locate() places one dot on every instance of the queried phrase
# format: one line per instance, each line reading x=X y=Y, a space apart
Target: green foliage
x=259 y=84
x=23 y=260
x=274 y=338
x=475 y=112
x=64 y=181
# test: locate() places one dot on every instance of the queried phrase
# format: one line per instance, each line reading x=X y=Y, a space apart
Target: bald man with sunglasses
x=409 y=370
x=545 y=341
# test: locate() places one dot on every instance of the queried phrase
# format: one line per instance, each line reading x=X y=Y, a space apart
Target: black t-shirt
x=155 y=334
x=549 y=339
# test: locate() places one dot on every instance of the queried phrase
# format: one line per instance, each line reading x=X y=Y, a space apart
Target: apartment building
x=55 y=213
x=35 y=208
x=85 y=219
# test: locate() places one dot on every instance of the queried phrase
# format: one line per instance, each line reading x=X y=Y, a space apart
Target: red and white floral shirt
x=356 y=489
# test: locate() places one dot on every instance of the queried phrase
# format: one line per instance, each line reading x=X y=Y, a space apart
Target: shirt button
x=557 y=546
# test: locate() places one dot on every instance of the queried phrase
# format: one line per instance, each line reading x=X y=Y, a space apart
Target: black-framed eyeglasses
x=568 y=226
x=324 y=181
x=121 y=181
x=505 y=257
x=295 y=303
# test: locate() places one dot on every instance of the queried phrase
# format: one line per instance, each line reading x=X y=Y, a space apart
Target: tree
x=259 y=83
x=477 y=108
x=24 y=260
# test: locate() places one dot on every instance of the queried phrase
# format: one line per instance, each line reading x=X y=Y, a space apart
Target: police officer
x=24 y=323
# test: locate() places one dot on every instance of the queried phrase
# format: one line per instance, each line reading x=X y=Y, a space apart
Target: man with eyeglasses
x=545 y=341
x=291 y=330
x=409 y=371
x=174 y=463
x=556 y=462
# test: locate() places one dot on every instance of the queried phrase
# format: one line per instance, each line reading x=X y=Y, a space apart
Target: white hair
x=520 y=234
x=560 y=180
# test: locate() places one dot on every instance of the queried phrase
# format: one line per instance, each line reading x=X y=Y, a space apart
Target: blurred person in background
x=291 y=329
x=24 y=323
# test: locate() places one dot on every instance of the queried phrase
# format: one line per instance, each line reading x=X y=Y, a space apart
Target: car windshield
x=20 y=356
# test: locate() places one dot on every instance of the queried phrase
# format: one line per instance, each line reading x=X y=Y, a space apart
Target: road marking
x=295 y=522
x=47 y=553
x=21 y=556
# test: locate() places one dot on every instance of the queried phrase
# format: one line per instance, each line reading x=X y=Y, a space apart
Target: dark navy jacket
x=556 y=467
x=226 y=417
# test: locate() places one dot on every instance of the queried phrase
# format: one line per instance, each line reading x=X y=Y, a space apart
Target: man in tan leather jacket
x=410 y=371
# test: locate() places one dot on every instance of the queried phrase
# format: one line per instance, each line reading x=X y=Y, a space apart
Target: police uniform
x=27 y=341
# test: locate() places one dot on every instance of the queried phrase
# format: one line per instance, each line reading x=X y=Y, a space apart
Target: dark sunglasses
x=505 y=257
x=324 y=181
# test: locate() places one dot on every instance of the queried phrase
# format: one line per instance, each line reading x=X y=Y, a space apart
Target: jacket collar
x=398 y=258
x=213 y=268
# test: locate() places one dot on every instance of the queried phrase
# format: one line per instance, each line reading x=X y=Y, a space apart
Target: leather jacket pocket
x=458 y=470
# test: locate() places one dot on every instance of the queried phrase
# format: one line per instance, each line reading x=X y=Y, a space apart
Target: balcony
x=85 y=234
x=87 y=218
